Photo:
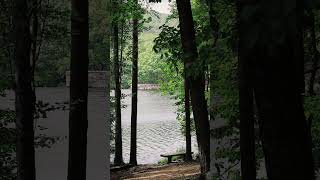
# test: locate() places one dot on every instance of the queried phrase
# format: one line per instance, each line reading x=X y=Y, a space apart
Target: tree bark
x=188 y=120
x=196 y=78
x=214 y=24
x=118 y=160
x=78 y=115
x=108 y=87
x=247 y=135
x=122 y=44
x=134 y=103
x=34 y=35
x=24 y=103
x=271 y=48
x=315 y=55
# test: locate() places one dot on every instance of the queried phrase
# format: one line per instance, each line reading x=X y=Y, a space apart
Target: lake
x=158 y=131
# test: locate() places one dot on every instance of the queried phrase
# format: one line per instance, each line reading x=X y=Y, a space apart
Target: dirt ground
x=175 y=171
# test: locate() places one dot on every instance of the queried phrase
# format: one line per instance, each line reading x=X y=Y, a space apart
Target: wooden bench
x=169 y=156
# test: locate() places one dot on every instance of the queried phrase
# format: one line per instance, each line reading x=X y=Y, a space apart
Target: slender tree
x=118 y=160
x=315 y=54
x=108 y=86
x=134 y=101
x=247 y=136
x=34 y=35
x=196 y=77
x=78 y=115
x=108 y=89
x=214 y=25
x=24 y=94
x=188 y=120
x=271 y=62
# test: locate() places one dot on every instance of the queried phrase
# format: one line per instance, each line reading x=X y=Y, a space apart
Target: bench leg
x=169 y=159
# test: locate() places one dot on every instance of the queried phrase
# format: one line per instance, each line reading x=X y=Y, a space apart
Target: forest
x=241 y=79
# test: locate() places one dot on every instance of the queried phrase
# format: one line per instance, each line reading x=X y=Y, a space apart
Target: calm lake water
x=158 y=131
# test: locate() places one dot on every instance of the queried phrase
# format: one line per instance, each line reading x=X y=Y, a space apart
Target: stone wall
x=95 y=78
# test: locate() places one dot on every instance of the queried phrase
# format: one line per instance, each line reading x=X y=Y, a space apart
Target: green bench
x=169 y=156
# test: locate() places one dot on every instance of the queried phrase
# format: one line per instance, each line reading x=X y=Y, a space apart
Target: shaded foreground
x=161 y=172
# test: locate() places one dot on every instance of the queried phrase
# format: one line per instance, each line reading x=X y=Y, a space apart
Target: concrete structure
x=96 y=79
x=148 y=86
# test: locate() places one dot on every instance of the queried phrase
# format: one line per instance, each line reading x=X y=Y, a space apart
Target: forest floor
x=176 y=171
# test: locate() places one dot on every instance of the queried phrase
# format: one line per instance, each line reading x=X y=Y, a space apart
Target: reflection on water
x=158 y=131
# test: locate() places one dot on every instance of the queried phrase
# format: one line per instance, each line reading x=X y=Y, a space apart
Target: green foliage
x=220 y=60
x=8 y=136
x=150 y=71
x=6 y=45
x=7 y=145
x=312 y=112
x=168 y=45
x=157 y=20
x=53 y=41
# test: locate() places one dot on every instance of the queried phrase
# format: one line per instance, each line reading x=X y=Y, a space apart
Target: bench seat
x=169 y=156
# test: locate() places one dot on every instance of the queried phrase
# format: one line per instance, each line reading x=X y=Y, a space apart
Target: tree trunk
x=271 y=48
x=108 y=119
x=214 y=24
x=118 y=160
x=247 y=135
x=78 y=115
x=34 y=34
x=34 y=47
x=196 y=78
x=108 y=89
x=122 y=42
x=315 y=56
x=24 y=103
x=134 y=104
x=188 y=120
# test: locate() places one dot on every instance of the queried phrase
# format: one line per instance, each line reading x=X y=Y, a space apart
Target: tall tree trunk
x=315 y=55
x=34 y=32
x=122 y=42
x=118 y=160
x=188 y=120
x=34 y=47
x=108 y=86
x=197 y=82
x=24 y=103
x=108 y=89
x=271 y=49
x=214 y=24
x=134 y=104
x=108 y=116
x=247 y=135
x=78 y=115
